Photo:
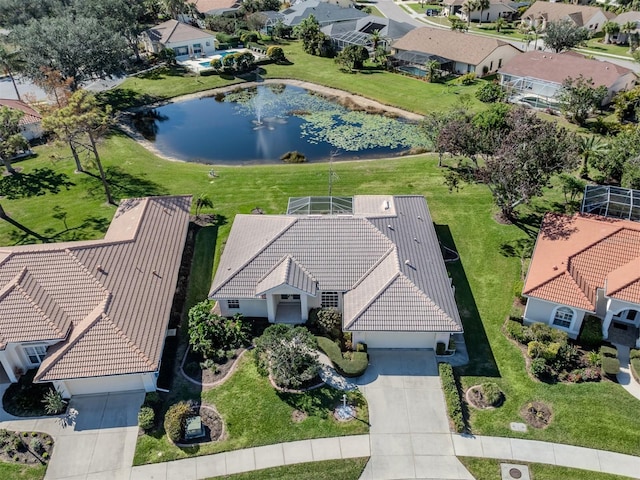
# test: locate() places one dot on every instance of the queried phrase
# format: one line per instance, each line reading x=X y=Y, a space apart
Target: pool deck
x=194 y=64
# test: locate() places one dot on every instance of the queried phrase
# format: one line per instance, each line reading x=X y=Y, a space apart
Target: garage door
x=398 y=339
x=116 y=383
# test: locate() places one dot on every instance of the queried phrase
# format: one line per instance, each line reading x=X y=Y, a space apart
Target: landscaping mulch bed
x=195 y=372
x=475 y=398
x=213 y=427
x=298 y=416
x=537 y=414
x=24 y=399
x=26 y=448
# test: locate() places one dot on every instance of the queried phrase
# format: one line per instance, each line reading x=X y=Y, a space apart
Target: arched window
x=563 y=317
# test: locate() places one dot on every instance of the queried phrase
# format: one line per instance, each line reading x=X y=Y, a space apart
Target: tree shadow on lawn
x=124 y=98
x=39 y=182
x=481 y=359
x=122 y=184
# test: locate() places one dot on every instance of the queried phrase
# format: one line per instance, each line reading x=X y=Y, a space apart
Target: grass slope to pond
x=256 y=414
x=349 y=469
x=389 y=88
x=489 y=469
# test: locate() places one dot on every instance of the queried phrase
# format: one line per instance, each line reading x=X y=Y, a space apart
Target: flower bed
x=30 y=448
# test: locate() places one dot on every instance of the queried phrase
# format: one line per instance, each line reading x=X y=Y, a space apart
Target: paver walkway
x=625 y=378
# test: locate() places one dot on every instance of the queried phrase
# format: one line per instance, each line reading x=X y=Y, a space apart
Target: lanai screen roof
x=613 y=202
x=320 y=206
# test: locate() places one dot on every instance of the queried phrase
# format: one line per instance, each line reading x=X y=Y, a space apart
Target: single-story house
x=374 y=257
x=92 y=316
x=360 y=32
x=31 y=121
x=217 y=7
x=497 y=9
x=325 y=13
x=589 y=17
x=463 y=53
x=622 y=20
x=586 y=265
x=185 y=40
x=536 y=75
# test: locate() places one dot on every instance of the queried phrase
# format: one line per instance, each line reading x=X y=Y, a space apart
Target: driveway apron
x=410 y=436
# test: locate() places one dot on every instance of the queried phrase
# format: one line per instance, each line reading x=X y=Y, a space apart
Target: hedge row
x=452 y=396
x=348 y=367
x=635 y=368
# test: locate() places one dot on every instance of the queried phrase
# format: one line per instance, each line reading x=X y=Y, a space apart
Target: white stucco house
x=590 y=17
x=185 y=40
x=586 y=265
x=31 y=121
x=375 y=257
x=506 y=9
x=92 y=316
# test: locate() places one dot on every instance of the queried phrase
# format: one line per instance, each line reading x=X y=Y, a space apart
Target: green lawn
x=389 y=88
x=256 y=414
x=488 y=469
x=21 y=472
x=350 y=469
x=597 y=45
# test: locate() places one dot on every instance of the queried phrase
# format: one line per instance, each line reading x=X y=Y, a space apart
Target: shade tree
x=563 y=35
x=578 y=97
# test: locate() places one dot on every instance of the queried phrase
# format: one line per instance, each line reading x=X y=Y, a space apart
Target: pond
x=260 y=124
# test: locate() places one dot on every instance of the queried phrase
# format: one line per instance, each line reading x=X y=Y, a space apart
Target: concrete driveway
x=102 y=442
x=409 y=435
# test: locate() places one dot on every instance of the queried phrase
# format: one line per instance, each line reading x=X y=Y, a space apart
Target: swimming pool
x=221 y=55
x=415 y=71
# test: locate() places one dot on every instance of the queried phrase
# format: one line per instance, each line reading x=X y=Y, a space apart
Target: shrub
x=606 y=351
x=491 y=92
x=53 y=402
x=610 y=366
x=328 y=322
x=452 y=396
x=517 y=331
x=152 y=399
x=249 y=37
x=441 y=348
x=593 y=359
x=467 y=79
x=348 y=367
x=634 y=353
x=635 y=368
x=536 y=349
x=546 y=334
x=36 y=445
x=175 y=420
x=538 y=367
x=492 y=393
x=361 y=347
x=517 y=291
x=276 y=54
x=45 y=455
x=293 y=157
x=210 y=333
x=146 y=418
x=591 y=333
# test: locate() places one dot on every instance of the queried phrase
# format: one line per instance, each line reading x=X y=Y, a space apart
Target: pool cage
x=344 y=39
x=530 y=91
x=320 y=206
x=413 y=62
x=613 y=202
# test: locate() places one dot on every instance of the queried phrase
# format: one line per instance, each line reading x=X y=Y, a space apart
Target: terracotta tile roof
x=102 y=295
x=378 y=260
x=557 y=67
x=30 y=114
x=554 y=11
x=205 y=6
x=456 y=46
x=575 y=256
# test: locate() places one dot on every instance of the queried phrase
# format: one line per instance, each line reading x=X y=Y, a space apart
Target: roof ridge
x=274 y=267
x=35 y=305
x=372 y=299
x=302 y=267
x=625 y=285
x=84 y=268
x=375 y=265
x=4 y=291
x=544 y=282
x=129 y=343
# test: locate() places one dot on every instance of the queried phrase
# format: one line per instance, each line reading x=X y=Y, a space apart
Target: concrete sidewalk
x=549 y=453
x=256 y=458
x=625 y=378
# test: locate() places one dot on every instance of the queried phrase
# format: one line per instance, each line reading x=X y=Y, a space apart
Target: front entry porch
x=623 y=333
x=289 y=312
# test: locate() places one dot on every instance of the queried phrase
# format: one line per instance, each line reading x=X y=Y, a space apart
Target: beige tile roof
x=205 y=6
x=557 y=67
x=102 y=295
x=554 y=11
x=288 y=272
x=378 y=261
x=575 y=256
x=173 y=31
x=628 y=17
x=456 y=46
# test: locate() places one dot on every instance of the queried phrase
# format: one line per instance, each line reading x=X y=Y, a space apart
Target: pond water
x=260 y=124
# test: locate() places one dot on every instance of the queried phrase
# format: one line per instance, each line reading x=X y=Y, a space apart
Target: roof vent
x=385 y=205
x=389 y=227
x=415 y=239
x=419 y=217
x=555 y=267
x=99 y=268
x=407 y=262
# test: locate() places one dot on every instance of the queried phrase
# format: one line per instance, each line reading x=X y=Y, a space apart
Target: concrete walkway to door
x=409 y=434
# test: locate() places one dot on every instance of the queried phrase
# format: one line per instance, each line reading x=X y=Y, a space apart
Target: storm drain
x=510 y=471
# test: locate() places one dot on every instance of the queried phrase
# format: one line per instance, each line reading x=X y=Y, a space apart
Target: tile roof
x=554 y=11
x=30 y=116
x=627 y=17
x=575 y=256
x=456 y=46
x=557 y=67
x=173 y=31
x=287 y=272
x=206 y=6
x=324 y=12
x=108 y=299
x=380 y=261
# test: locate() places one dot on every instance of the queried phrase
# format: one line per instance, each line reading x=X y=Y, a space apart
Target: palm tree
x=11 y=62
x=588 y=148
x=173 y=8
x=482 y=5
x=627 y=28
x=203 y=201
x=500 y=24
x=432 y=70
x=468 y=7
x=610 y=28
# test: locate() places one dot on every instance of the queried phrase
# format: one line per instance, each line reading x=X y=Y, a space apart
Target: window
x=563 y=317
x=233 y=303
x=499 y=63
x=631 y=315
x=181 y=51
x=197 y=48
x=36 y=353
x=329 y=299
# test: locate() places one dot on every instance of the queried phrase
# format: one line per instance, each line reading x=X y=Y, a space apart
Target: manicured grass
x=256 y=414
x=349 y=469
x=596 y=45
x=389 y=88
x=489 y=469
x=22 y=472
x=416 y=7
x=201 y=266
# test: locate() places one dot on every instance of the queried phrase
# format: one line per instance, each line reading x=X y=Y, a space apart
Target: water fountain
x=344 y=412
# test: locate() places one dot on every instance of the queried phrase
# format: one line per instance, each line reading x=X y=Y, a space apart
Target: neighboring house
x=183 y=39
x=539 y=13
x=537 y=76
x=457 y=52
x=340 y=3
x=31 y=121
x=325 y=13
x=92 y=316
x=375 y=257
x=360 y=32
x=497 y=9
x=586 y=265
x=623 y=19
x=217 y=7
